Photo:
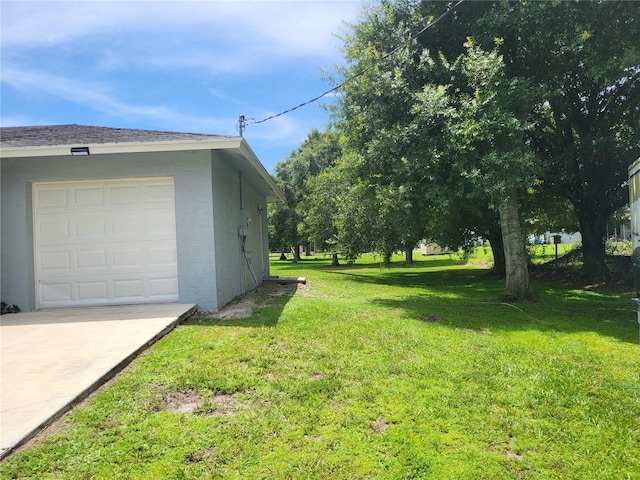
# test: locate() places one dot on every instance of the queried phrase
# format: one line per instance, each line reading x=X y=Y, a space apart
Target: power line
x=242 y=123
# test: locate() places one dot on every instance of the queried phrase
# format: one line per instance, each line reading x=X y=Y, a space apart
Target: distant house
x=430 y=248
x=108 y=216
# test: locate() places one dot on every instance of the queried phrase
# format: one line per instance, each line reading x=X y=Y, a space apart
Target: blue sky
x=177 y=66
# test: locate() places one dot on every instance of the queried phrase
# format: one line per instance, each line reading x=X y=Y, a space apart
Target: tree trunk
x=334 y=260
x=296 y=254
x=594 y=267
x=516 y=261
x=408 y=256
x=497 y=248
x=307 y=250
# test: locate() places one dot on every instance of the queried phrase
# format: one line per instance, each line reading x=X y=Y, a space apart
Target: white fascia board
x=247 y=152
x=125 y=147
x=223 y=143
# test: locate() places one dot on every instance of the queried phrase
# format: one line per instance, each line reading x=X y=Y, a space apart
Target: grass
x=367 y=372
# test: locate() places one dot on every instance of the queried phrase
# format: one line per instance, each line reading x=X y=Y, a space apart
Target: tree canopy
x=435 y=125
x=496 y=112
x=317 y=153
x=572 y=83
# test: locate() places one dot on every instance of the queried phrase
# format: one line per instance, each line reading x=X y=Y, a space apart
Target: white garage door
x=105 y=242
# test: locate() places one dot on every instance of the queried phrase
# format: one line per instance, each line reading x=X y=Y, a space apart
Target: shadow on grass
x=470 y=298
x=463 y=282
x=324 y=264
x=261 y=307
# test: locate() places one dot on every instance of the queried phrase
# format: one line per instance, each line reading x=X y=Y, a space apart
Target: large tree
x=588 y=123
x=348 y=216
x=582 y=60
x=318 y=208
x=318 y=151
x=434 y=125
x=484 y=145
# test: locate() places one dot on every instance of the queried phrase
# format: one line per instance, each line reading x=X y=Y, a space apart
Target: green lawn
x=367 y=372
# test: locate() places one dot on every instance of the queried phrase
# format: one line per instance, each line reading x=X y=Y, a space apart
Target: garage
x=104 y=242
x=112 y=216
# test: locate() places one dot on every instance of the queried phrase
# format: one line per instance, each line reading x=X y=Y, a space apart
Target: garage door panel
x=105 y=242
x=93 y=290
x=91 y=259
x=53 y=229
x=55 y=261
x=88 y=226
x=129 y=226
x=61 y=229
x=163 y=286
x=52 y=197
x=145 y=288
x=87 y=196
x=160 y=223
x=125 y=194
x=158 y=195
x=161 y=256
x=129 y=288
x=56 y=292
x=155 y=286
x=127 y=258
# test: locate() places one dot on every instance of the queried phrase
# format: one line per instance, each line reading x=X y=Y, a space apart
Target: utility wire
x=243 y=121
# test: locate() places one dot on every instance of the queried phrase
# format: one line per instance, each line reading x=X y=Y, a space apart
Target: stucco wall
x=257 y=242
x=194 y=215
x=235 y=272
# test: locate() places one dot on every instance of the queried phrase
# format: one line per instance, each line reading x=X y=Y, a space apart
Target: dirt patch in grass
x=379 y=425
x=184 y=401
x=275 y=289
x=243 y=306
x=510 y=453
x=480 y=330
x=222 y=404
x=207 y=455
x=189 y=401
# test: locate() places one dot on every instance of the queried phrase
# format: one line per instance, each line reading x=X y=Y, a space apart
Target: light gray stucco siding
x=257 y=241
x=226 y=201
x=236 y=204
x=191 y=171
x=16 y=239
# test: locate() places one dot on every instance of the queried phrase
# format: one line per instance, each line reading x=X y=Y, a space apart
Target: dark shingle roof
x=51 y=135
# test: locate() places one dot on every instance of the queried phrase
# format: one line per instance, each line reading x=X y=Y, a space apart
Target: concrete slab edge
x=283 y=280
x=6 y=452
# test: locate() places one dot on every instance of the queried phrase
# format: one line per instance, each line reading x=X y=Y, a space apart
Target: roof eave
x=123 y=147
x=246 y=150
x=222 y=143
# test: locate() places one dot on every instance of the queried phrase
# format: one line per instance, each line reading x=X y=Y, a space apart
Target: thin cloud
x=102 y=99
x=221 y=38
x=21 y=120
x=282 y=131
x=297 y=27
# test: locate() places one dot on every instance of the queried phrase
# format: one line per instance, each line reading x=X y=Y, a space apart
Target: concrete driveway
x=51 y=359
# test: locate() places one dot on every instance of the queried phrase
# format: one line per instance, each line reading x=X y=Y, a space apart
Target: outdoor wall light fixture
x=79 y=150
